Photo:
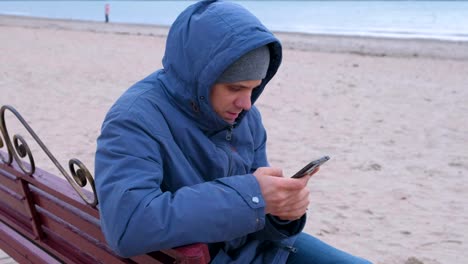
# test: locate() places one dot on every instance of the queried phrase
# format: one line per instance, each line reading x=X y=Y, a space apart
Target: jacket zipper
x=291 y=249
x=229 y=133
x=288 y=248
x=228 y=150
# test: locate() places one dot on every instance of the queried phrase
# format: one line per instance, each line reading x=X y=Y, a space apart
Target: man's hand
x=285 y=198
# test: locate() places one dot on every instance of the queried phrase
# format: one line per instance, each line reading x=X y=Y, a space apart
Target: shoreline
x=359 y=45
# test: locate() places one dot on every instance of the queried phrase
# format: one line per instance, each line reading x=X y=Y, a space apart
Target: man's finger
x=295 y=184
x=274 y=171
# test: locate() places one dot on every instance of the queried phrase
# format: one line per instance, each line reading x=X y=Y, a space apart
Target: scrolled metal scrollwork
x=23 y=150
x=18 y=149
x=1 y=146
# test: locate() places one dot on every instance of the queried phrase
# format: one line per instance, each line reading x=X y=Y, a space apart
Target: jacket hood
x=203 y=41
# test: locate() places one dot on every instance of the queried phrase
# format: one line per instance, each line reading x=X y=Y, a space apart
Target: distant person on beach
x=107 y=12
x=181 y=157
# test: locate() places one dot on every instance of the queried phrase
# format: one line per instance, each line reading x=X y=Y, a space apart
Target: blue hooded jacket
x=170 y=171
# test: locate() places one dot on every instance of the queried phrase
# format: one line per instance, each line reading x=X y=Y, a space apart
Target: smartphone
x=311 y=167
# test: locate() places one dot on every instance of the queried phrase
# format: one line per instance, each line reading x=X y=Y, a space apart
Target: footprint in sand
x=371 y=166
x=413 y=260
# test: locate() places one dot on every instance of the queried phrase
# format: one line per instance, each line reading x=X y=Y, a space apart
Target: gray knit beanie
x=251 y=66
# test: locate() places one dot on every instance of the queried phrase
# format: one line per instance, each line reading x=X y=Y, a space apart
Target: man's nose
x=244 y=102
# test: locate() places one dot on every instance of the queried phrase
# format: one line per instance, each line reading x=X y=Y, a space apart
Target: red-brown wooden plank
x=9 y=181
x=86 y=223
x=30 y=208
x=149 y=259
x=21 y=249
x=13 y=200
x=65 y=251
x=15 y=219
x=53 y=185
x=76 y=238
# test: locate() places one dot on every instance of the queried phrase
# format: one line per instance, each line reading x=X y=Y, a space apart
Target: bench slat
x=74 y=238
x=9 y=181
x=86 y=223
x=13 y=200
x=53 y=185
x=22 y=249
x=16 y=219
x=75 y=253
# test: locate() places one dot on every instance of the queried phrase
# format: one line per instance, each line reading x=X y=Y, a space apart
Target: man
x=106 y=12
x=181 y=157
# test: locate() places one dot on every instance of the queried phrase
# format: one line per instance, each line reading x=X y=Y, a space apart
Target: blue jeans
x=311 y=250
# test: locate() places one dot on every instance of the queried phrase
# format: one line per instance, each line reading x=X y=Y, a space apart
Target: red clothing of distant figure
x=107 y=8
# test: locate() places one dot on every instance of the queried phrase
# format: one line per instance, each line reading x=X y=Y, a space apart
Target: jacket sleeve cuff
x=249 y=189
x=286 y=227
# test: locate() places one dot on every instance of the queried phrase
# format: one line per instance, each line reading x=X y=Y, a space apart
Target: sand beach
x=392 y=115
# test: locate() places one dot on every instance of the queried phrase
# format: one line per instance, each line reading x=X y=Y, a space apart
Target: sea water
x=447 y=20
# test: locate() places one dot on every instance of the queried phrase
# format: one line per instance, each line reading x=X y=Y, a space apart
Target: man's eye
x=234 y=89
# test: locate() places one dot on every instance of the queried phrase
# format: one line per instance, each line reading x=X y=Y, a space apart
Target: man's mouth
x=232 y=115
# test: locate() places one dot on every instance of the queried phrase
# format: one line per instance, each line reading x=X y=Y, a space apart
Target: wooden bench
x=47 y=219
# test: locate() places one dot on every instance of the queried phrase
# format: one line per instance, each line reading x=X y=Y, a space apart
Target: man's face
x=229 y=99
